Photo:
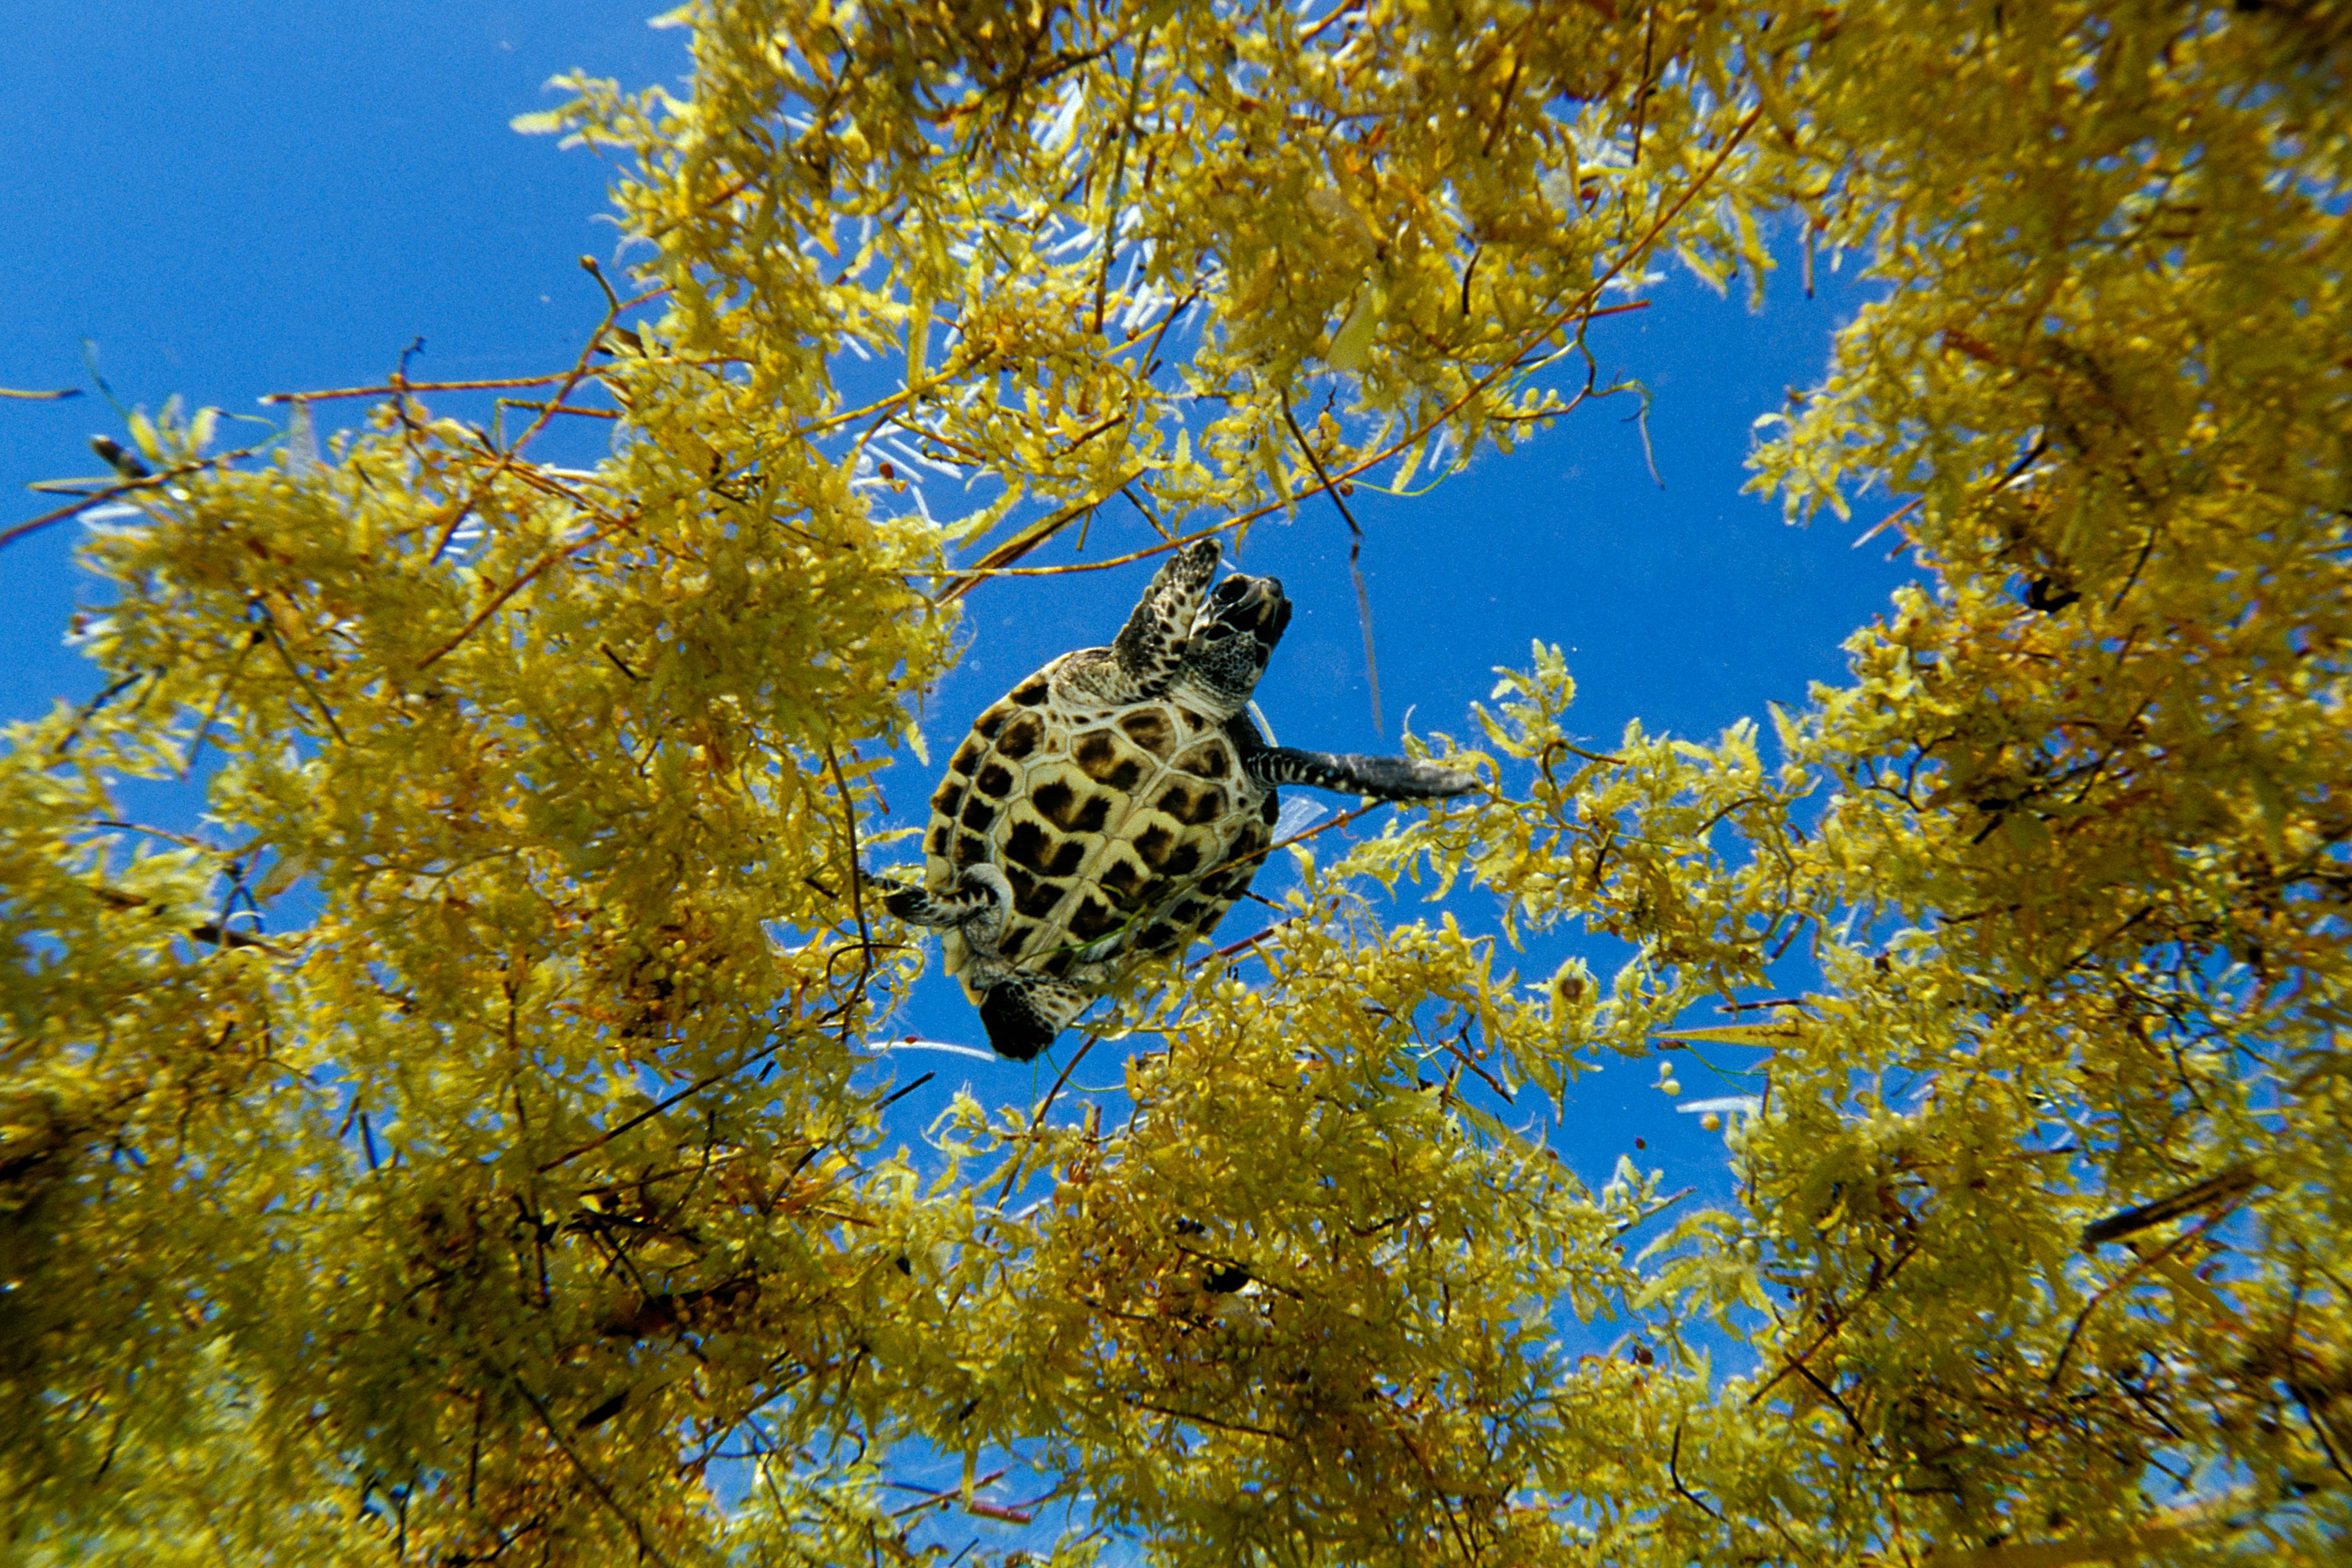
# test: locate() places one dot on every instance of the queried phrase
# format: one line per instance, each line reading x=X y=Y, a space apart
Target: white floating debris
x=911 y=1044
x=1297 y=815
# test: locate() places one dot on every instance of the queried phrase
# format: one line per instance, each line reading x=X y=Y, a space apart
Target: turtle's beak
x=1252 y=607
x=1236 y=633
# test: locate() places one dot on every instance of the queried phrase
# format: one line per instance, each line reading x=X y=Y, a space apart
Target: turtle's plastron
x=1115 y=805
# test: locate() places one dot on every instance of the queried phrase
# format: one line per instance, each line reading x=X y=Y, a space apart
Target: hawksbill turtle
x=1117 y=803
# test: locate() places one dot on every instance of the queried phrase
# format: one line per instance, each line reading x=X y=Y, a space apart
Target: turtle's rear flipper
x=976 y=906
x=1345 y=772
x=1023 y=1014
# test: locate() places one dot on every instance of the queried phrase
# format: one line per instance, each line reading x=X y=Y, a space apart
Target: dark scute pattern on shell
x=1191 y=804
x=1147 y=728
x=1121 y=828
x=1033 y=898
x=1056 y=800
x=1068 y=810
x=1032 y=846
x=1121 y=876
x=1153 y=844
x=1107 y=762
x=1020 y=737
x=1093 y=917
x=1209 y=761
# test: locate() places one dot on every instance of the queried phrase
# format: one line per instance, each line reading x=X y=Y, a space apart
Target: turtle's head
x=1233 y=635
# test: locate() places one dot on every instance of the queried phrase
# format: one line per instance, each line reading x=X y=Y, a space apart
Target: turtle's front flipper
x=1151 y=644
x=1345 y=772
